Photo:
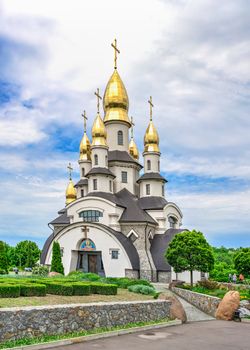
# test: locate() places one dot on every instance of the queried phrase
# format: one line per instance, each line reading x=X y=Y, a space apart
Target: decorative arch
x=120 y=138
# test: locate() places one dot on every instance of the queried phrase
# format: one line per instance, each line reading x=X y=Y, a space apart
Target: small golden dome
x=151 y=139
x=99 y=133
x=85 y=151
x=133 y=150
x=115 y=101
x=70 y=192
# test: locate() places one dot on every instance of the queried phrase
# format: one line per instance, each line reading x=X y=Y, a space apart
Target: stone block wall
x=205 y=303
x=23 y=322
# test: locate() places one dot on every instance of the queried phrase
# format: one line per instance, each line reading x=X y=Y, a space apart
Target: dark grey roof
x=62 y=219
x=81 y=182
x=152 y=176
x=122 y=156
x=98 y=170
x=133 y=212
x=152 y=202
x=108 y=196
x=125 y=242
x=62 y=211
x=159 y=245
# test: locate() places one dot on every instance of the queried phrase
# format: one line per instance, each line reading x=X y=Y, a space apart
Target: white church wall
x=154 y=162
x=102 y=183
x=172 y=210
x=160 y=218
x=155 y=188
x=185 y=276
x=102 y=155
x=84 y=167
x=70 y=239
x=131 y=178
x=112 y=136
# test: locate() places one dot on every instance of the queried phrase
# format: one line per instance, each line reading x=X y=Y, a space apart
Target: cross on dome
x=85 y=120
x=69 y=167
x=97 y=93
x=132 y=127
x=116 y=51
x=150 y=101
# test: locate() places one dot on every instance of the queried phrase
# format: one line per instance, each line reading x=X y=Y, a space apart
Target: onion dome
x=85 y=150
x=151 y=139
x=133 y=150
x=70 y=192
x=99 y=133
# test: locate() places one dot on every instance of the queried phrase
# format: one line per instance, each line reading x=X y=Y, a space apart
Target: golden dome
x=115 y=101
x=85 y=151
x=70 y=192
x=151 y=139
x=133 y=150
x=99 y=133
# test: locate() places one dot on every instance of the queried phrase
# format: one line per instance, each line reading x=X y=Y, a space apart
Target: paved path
x=207 y=335
x=193 y=314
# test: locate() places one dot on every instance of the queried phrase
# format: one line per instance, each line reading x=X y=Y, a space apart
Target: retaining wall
x=205 y=303
x=17 y=323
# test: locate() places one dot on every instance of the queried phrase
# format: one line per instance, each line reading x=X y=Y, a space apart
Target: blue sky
x=191 y=56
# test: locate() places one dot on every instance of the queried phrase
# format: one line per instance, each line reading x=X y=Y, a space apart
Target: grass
x=122 y=295
x=49 y=338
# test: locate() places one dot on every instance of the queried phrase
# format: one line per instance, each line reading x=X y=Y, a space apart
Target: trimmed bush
x=104 y=289
x=142 y=289
x=81 y=288
x=124 y=282
x=91 y=276
x=9 y=290
x=59 y=289
x=32 y=289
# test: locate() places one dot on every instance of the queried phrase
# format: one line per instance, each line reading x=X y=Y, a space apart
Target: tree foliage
x=56 y=263
x=3 y=259
x=189 y=251
x=223 y=263
x=242 y=261
x=27 y=254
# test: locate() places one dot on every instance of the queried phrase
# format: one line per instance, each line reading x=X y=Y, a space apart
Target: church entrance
x=92 y=263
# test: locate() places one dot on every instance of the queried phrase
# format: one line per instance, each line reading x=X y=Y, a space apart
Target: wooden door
x=92 y=259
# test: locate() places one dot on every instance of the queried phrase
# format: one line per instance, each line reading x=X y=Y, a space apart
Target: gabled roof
x=63 y=219
x=122 y=156
x=152 y=176
x=158 y=247
x=152 y=202
x=108 y=196
x=99 y=170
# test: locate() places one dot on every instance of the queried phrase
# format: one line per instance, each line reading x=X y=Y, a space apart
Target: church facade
x=117 y=220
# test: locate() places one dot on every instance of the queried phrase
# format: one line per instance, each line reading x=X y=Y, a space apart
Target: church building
x=117 y=220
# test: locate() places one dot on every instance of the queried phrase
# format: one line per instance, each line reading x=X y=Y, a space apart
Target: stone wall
x=203 y=302
x=17 y=323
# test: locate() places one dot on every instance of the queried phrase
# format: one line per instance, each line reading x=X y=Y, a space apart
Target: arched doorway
x=89 y=259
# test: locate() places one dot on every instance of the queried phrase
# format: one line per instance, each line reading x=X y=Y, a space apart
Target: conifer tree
x=56 y=263
x=3 y=259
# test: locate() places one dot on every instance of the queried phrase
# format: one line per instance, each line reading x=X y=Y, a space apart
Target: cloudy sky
x=191 y=56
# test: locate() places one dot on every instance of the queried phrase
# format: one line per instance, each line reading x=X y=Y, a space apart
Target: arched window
x=90 y=215
x=94 y=184
x=110 y=186
x=163 y=190
x=158 y=165
x=120 y=138
x=172 y=221
x=148 y=164
x=83 y=172
x=82 y=193
x=147 y=189
x=106 y=160
x=96 y=159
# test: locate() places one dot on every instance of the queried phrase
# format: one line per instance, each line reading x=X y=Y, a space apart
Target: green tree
x=3 y=259
x=189 y=251
x=242 y=261
x=56 y=263
x=27 y=254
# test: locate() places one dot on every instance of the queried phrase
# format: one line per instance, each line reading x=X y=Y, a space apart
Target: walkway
x=193 y=314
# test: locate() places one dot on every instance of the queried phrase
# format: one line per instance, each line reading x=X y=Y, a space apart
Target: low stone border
x=17 y=323
x=86 y=338
x=204 y=302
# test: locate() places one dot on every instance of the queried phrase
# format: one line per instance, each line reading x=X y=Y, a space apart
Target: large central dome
x=115 y=101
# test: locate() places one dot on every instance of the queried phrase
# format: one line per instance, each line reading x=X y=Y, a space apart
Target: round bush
x=9 y=290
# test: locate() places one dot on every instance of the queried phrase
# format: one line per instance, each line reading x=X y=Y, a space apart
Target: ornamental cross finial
x=114 y=45
x=132 y=127
x=151 y=107
x=85 y=120
x=70 y=170
x=97 y=93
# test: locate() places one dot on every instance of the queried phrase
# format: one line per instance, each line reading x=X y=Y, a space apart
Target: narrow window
x=158 y=165
x=124 y=177
x=106 y=160
x=148 y=164
x=147 y=189
x=83 y=172
x=82 y=193
x=163 y=192
x=120 y=138
x=96 y=159
x=95 y=184
x=110 y=186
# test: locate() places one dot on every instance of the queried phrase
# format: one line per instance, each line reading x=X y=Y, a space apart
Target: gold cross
x=98 y=98
x=132 y=127
x=85 y=120
x=114 y=45
x=151 y=107
x=85 y=231
x=70 y=170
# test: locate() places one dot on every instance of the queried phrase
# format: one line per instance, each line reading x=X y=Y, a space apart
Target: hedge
x=81 y=288
x=59 y=289
x=9 y=290
x=104 y=289
x=142 y=289
x=32 y=289
x=124 y=282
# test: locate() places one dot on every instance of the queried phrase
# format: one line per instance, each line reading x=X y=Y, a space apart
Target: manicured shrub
x=78 y=275
x=91 y=276
x=104 y=289
x=56 y=263
x=59 y=289
x=81 y=288
x=208 y=284
x=9 y=290
x=142 y=289
x=124 y=282
x=32 y=289
x=40 y=270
